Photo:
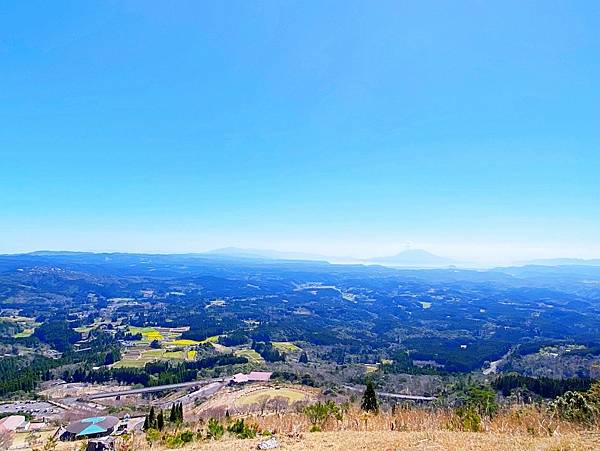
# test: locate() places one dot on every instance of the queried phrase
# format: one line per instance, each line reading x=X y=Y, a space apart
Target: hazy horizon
x=295 y=254
x=469 y=130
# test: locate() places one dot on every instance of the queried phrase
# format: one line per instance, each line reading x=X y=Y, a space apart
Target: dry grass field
x=255 y=398
x=432 y=440
x=526 y=428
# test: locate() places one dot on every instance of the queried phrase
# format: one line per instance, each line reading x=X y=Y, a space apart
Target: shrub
x=469 y=419
x=593 y=394
x=152 y=435
x=173 y=441
x=215 y=429
x=319 y=413
x=574 y=406
x=186 y=436
x=242 y=430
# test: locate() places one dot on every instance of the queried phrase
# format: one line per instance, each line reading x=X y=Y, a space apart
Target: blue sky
x=348 y=128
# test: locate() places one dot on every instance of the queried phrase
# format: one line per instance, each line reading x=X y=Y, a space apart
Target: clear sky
x=468 y=128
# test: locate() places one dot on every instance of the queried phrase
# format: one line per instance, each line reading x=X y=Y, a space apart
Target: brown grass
x=424 y=440
x=432 y=440
x=516 y=428
x=525 y=420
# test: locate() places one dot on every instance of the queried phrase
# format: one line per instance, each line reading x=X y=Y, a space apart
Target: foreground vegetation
x=574 y=415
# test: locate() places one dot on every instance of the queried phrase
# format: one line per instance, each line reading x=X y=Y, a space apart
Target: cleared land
x=242 y=399
x=250 y=354
x=286 y=346
x=291 y=395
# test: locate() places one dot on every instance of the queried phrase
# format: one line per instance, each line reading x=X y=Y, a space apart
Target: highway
x=139 y=391
x=396 y=395
x=203 y=392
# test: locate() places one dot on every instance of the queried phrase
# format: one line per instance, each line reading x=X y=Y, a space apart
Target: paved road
x=396 y=395
x=204 y=392
x=137 y=391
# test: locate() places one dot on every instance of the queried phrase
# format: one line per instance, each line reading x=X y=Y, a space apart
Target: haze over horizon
x=469 y=130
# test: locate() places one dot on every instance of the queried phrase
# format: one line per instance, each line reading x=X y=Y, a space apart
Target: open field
x=286 y=346
x=250 y=354
x=290 y=394
x=25 y=333
x=28 y=324
x=251 y=397
x=371 y=368
x=184 y=342
x=139 y=358
x=432 y=440
x=138 y=355
x=221 y=348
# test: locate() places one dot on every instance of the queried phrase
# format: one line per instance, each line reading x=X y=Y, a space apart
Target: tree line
x=542 y=386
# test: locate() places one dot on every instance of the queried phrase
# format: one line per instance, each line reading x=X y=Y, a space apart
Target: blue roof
x=92 y=429
x=93 y=420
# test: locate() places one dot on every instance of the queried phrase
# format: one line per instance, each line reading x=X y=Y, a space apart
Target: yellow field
x=24 y=334
x=184 y=342
x=286 y=346
x=191 y=355
x=371 y=368
x=153 y=335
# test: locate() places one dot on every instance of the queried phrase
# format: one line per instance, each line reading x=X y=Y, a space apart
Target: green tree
x=593 y=394
x=482 y=400
x=152 y=418
x=575 y=407
x=369 y=399
x=303 y=358
x=155 y=344
x=160 y=421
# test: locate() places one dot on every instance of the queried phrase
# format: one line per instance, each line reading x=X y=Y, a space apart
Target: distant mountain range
x=409 y=258
x=418 y=258
x=564 y=262
x=266 y=254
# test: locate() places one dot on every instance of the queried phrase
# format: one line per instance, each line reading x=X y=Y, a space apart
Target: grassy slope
x=435 y=440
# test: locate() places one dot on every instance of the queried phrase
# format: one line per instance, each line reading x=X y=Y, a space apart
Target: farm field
x=286 y=346
x=137 y=359
x=140 y=353
x=250 y=354
x=28 y=325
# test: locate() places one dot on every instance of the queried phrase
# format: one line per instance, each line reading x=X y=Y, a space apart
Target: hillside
x=434 y=440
